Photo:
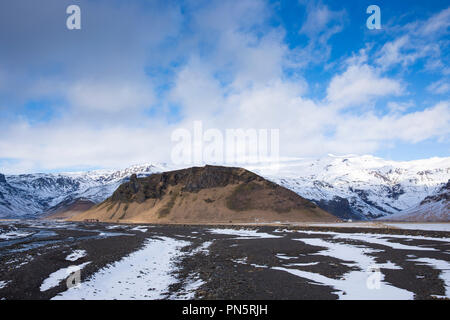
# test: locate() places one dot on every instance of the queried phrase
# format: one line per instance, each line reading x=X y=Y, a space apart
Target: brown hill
x=210 y=194
x=68 y=208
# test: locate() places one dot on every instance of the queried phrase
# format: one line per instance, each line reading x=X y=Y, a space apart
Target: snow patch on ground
x=3 y=284
x=113 y=234
x=113 y=227
x=75 y=255
x=14 y=235
x=144 y=274
x=244 y=261
x=380 y=239
x=56 y=277
x=140 y=228
x=389 y=265
x=240 y=260
x=354 y=284
x=203 y=248
x=302 y=264
x=188 y=292
x=243 y=233
x=284 y=257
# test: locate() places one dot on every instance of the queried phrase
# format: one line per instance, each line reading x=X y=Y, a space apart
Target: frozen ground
x=214 y=262
x=421 y=226
x=379 y=225
x=57 y=277
x=144 y=274
x=75 y=255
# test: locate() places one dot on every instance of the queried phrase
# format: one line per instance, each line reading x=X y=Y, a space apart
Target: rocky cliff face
x=340 y=207
x=191 y=180
x=442 y=195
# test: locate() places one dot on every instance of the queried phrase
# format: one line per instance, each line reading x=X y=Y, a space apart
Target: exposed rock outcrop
x=209 y=194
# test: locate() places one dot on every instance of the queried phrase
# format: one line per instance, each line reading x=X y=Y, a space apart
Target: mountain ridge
x=367 y=187
x=209 y=194
x=351 y=187
x=434 y=208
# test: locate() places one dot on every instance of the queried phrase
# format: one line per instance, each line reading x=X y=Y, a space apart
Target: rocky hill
x=210 y=194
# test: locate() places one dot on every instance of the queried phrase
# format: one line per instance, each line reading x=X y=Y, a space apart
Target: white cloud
x=321 y=20
x=437 y=24
x=412 y=127
x=229 y=74
x=420 y=40
x=110 y=96
x=196 y=90
x=321 y=23
x=302 y=123
x=401 y=107
x=358 y=84
x=391 y=53
x=440 y=87
x=66 y=144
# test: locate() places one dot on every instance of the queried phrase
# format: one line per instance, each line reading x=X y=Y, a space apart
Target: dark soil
x=230 y=268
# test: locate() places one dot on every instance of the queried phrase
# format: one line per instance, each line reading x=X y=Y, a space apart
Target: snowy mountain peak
x=363 y=186
x=28 y=195
x=432 y=208
x=349 y=186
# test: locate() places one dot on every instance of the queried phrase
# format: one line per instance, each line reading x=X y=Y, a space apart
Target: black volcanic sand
x=230 y=268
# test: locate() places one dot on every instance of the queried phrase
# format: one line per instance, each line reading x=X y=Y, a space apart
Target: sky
x=112 y=93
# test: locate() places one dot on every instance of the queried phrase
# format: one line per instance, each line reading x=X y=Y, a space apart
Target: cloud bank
x=111 y=94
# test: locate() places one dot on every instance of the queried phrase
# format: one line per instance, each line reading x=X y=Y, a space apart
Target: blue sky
x=112 y=93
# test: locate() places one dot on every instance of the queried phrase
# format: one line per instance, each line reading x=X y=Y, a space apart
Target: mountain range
x=32 y=195
x=350 y=187
x=432 y=208
x=363 y=187
x=209 y=194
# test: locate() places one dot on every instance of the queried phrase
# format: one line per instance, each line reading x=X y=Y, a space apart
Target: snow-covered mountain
x=363 y=187
x=28 y=195
x=352 y=187
x=432 y=208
